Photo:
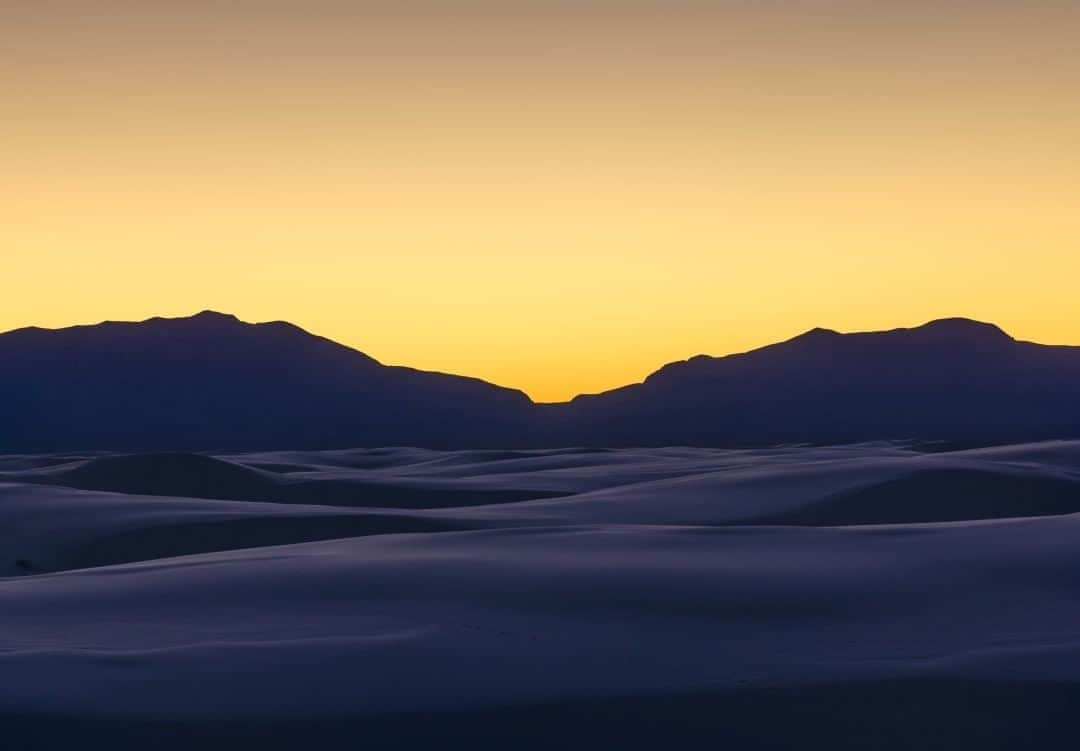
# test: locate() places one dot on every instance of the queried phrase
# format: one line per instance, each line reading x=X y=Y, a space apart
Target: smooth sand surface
x=866 y=596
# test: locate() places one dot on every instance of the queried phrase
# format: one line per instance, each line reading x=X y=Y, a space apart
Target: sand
x=867 y=596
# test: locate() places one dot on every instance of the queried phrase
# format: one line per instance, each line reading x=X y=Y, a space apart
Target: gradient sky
x=559 y=196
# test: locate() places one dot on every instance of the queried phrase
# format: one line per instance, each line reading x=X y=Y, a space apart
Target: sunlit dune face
x=556 y=196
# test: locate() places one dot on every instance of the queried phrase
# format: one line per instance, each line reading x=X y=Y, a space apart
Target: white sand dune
x=687 y=597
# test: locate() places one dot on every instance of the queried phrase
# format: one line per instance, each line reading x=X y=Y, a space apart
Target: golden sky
x=558 y=196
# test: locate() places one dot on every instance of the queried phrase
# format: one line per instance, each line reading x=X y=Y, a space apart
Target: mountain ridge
x=211 y=380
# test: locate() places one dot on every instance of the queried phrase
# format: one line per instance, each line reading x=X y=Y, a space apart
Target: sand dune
x=868 y=596
x=196 y=476
x=52 y=529
x=941 y=495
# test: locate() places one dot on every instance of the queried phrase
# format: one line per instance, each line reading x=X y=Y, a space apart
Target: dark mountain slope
x=212 y=381
x=952 y=379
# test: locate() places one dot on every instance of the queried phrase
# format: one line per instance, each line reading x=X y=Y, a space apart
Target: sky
x=557 y=196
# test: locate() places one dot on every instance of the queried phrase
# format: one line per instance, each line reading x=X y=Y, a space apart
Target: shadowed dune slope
x=46 y=529
x=944 y=495
x=171 y=474
x=198 y=476
x=174 y=539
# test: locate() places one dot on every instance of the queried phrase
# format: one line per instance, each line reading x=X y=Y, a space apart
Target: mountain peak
x=966 y=329
x=209 y=313
x=816 y=334
x=206 y=320
x=213 y=316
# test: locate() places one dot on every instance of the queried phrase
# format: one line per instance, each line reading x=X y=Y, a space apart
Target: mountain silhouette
x=211 y=381
x=952 y=380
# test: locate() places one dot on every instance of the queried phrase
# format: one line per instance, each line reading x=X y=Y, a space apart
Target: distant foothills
x=213 y=382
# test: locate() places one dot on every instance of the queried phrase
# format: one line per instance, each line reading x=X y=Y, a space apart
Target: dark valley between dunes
x=212 y=382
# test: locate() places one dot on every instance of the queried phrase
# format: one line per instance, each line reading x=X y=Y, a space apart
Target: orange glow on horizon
x=555 y=196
